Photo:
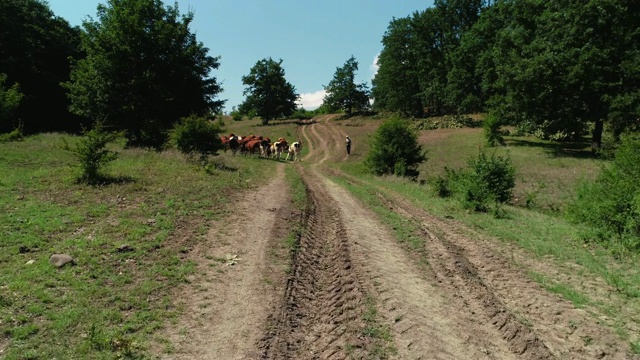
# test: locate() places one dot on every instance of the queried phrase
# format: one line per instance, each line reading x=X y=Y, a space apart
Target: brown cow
x=278 y=148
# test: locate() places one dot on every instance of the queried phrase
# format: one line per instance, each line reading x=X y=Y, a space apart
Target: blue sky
x=313 y=38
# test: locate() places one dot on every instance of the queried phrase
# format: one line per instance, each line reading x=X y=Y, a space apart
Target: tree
x=396 y=85
x=342 y=93
x=35 y=47
x=268 y=93
x=395 y=150
x=144 y=70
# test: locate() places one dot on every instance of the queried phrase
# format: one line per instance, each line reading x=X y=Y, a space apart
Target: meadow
x=130 y=237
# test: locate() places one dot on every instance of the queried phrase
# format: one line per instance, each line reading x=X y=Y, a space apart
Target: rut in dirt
x=320 y=316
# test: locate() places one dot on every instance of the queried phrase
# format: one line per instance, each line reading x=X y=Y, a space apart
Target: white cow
x=294 y=151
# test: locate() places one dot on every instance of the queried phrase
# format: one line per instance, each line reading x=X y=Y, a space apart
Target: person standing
x=348 y=145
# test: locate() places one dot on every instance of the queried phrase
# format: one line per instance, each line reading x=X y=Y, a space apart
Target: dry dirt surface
x=460 y=298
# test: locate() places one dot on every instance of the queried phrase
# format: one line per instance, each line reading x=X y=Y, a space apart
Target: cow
x=278 y=147
x=265 y=148
x=234 y=144
x=253 y=146
x=294 y=151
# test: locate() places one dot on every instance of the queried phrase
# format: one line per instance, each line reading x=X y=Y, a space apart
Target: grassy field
x=547 y=174
x=130 y=238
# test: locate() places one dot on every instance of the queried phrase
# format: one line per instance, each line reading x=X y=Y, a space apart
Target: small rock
x=124 y=248
x=59 y=260
x=30 y=262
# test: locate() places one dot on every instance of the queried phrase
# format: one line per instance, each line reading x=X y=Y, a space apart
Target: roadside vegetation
x=129 y=241
x=551 y=169
x=535 y=190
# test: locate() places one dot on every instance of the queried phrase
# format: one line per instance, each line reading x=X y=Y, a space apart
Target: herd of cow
x=263 y=147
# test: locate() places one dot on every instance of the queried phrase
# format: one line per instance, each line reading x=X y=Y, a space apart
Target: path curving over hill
x=349 y=289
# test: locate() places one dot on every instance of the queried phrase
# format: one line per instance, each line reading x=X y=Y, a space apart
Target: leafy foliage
x=144 y=70
x=395 y=86
x=491 y=179
x=196 y=134
x=611 y=204
x=268 y=94
x=10 y=99
x=92 y=153
x=14 y=135
x=343 y=94
x=394 y=150
x=492 y=130
x=560 y=67
x=35 y=47
x=487 y=180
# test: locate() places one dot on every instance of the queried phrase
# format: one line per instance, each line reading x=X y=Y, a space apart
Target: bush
x=15 y=135
x=491 y=179
x=487 y=180
x=395 y=150
x=10 y=98
x=93 y=154
x=611 y=204
x=197 y=135
x=492 y=131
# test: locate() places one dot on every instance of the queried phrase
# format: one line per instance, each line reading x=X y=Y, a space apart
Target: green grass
x=380 y=335
x=129 y=240
x=547 y=174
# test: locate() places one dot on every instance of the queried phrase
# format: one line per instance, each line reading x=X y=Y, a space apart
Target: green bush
x=10 y=98
x=15 y=135
x=197 y=135
x=492 y=131
x=488 y=180
x=611 y=204
x=491 y=179
x=395 y=150
x=93 y=154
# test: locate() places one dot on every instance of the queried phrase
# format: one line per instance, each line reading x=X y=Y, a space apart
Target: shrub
x=491 y=179
x=487 y=180
x=197 y=135
x=492 y=131
x=395 y=150
x=611 y=204
x=93 y=154
x=10 y=98
x=15 y=135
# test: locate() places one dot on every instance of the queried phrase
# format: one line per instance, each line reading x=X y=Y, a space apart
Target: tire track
x=320 y=315
x=425 y=321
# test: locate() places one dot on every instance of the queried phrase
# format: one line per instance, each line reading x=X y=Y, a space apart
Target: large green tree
x=35 y=47
x=396 y=86
x=268 y=94
x=144 y=70
x=343 y=93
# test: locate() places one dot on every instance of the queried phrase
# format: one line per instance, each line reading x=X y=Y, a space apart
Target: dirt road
x=350 y=290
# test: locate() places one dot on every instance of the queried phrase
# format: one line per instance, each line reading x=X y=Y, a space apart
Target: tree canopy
x=35 y=47
x=144 y=70
x=343 y=93
x=554 y=68
x=268 y=94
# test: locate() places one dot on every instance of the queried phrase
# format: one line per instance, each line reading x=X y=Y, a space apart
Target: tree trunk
x=596 y=138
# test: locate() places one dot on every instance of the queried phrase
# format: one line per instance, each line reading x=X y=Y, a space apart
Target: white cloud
x=312 y=101
x=373 y=68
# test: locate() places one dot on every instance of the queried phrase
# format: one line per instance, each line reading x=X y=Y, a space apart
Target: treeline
x=556 y=68
x=136 y=67
x=35 y=51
